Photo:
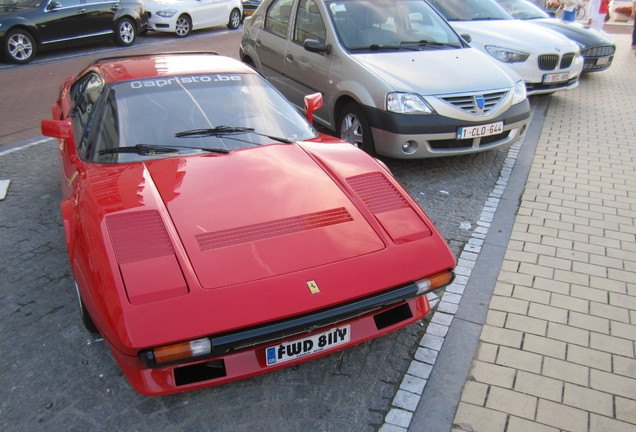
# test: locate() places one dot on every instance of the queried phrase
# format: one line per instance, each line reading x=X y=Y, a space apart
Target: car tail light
x=181 y=351
x=434 y=282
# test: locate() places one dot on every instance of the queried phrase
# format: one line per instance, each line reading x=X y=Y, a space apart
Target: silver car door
x=307 y=71
x=271 y=42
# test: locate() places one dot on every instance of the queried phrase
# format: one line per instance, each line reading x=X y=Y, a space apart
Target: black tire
x=353 y=127
x=19 y=46
x=86 y=317
x=235 y=19
x=125 y=32
x=183 y=26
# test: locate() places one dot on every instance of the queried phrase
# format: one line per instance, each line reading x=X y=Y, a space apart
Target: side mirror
x=54 y=5
x=57 y=129
x=313 y=102
x=467 y=38
x=313 y=45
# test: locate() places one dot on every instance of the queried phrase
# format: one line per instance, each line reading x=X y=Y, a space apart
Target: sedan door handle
x=81 y=11
x=290 y=58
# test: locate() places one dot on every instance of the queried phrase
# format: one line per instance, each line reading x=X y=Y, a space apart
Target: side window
x=84 y=95
x=107 y=135
x=309 y=24
x=277 y=17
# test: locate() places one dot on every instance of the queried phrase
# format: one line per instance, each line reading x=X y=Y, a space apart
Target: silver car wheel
x=351 y=130
x=235 y=19
x=183 y=26
x=127 y=32
x=20 y=47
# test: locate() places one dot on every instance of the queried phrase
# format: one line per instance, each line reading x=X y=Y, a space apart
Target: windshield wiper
x=142 y=149
x=221 y=131
x=427 y=43
x=149 y=150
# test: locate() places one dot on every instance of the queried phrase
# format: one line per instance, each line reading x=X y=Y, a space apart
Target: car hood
x=238 y=238
x=420 y=71
x=250 y=215
x=585 y=35
x=514 y=34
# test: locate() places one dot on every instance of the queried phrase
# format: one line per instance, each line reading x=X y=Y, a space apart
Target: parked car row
x=30 y=26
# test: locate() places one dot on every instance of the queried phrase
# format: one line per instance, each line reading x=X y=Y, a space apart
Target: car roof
x=125 y=68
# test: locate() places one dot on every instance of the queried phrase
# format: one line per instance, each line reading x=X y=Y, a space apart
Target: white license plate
x=312 y=344
x=480 y=131
x=555 y=78
x=602 y=61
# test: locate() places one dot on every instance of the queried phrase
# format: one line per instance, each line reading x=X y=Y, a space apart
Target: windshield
x=470 y=10
x=391 y=24
x=522 y=9
x=241 y=110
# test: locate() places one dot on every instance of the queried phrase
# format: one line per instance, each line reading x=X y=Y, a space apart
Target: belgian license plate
x=480 y=131
x=554 y=78
x=602 y=61
x=312 y=344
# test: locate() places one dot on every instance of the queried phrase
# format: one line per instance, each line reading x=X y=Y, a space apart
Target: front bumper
x=251 y=361
x=160 y=24
x=436 y=136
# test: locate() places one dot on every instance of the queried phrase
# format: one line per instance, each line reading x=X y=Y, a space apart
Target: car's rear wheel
x=86 y=317
x=183 y=27
x=125 y=32
x=353 y=127
x=19 y=46
x=235 y=19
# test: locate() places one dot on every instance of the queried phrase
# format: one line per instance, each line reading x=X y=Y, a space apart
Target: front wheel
x=353 y=127
x=183 y=27
x=19 y=46
x=125 y=32
x=86 y=317
x=235 y=19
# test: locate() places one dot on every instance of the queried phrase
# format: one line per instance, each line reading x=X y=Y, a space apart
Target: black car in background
x=28 y=26
x=597 y=48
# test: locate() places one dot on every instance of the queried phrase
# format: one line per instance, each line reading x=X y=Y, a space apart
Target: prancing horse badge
x=313 y=287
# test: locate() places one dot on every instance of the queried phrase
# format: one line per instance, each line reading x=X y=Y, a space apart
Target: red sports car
x=213 y=234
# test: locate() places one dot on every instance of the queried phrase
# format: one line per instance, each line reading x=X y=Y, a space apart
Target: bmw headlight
x=507 y=55
x=168 y=13
x=407 y=103
x=519 y=92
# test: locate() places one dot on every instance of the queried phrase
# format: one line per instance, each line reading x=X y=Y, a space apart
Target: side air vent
x=378 y=194
x=252 y=233
x=138 y=236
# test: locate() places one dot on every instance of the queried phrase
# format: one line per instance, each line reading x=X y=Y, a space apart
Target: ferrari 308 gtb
x=214 y=234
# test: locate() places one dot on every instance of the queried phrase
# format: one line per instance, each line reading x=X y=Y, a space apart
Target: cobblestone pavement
x=557 y=347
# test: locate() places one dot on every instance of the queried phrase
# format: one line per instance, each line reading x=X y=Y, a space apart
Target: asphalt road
x=56 y=377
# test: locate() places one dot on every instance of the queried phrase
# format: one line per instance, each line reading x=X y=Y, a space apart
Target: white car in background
x=547 y=61
x=182 y=16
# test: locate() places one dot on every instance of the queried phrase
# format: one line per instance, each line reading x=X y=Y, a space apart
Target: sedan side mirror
x=313 y=102
x=314 y=45
x=466 y=37
x=54 y=5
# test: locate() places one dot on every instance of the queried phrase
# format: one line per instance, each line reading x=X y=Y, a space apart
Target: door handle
x=79 y=11
x=289 y=57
